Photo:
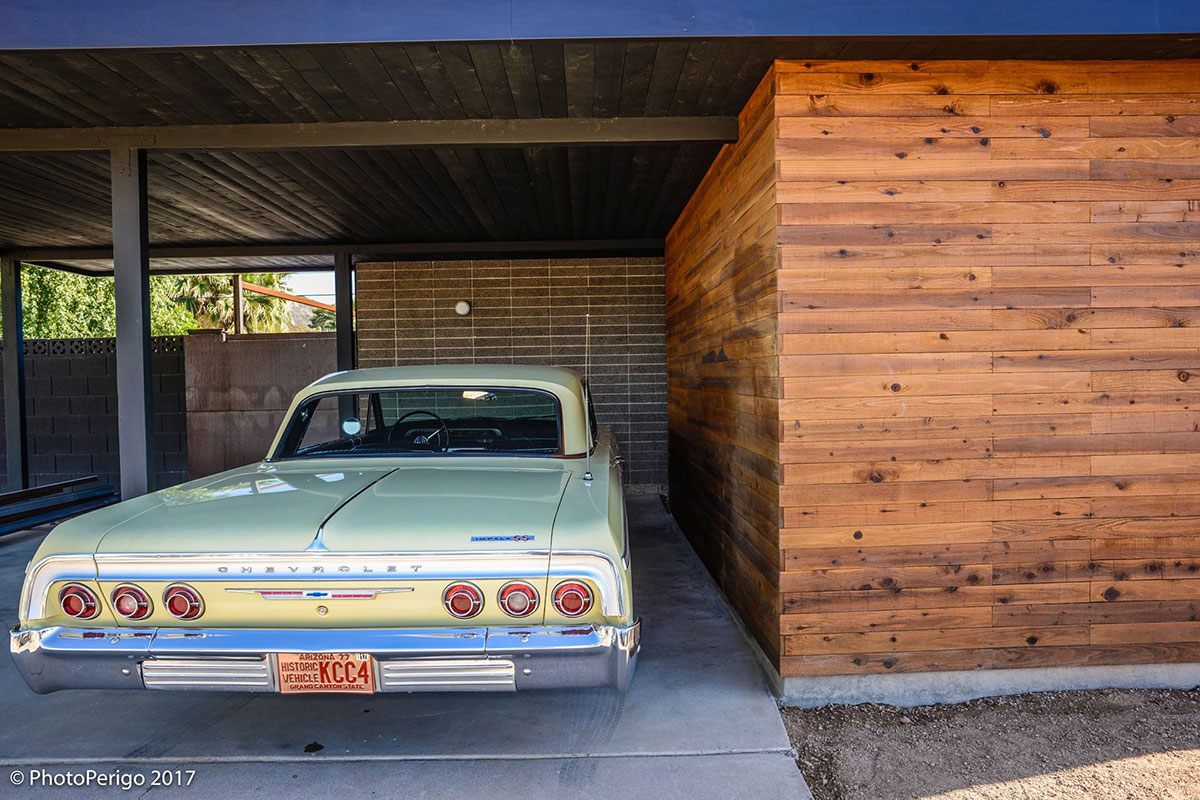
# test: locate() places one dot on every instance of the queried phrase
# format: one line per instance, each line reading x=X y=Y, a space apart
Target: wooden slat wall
x=989 y=283
x=723 y=371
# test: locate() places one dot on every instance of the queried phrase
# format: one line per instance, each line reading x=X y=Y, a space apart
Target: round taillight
x=572 y=599
x=183 y=602
x=518 y=599
x=462 y=600
x=130 y=601
x=78 y=601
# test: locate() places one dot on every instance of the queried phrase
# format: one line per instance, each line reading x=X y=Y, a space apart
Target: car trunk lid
x=246 y=511
x=460 y=508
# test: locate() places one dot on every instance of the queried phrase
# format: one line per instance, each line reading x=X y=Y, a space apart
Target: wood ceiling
x=362 y=196
x=429 y=195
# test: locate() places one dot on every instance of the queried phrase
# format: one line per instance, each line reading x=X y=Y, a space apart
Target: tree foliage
x=323 y=320
x=62 y=305
x=209 y=298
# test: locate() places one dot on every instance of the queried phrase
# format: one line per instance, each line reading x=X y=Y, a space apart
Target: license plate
x=343 y=673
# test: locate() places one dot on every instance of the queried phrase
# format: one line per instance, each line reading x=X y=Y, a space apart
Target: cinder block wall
x=533 y=312
x=71 y=390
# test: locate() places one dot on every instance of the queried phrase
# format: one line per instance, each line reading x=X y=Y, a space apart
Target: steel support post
x=16 y=443
x=131 y=274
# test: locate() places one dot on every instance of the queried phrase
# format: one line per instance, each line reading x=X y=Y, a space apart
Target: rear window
x=427 y=420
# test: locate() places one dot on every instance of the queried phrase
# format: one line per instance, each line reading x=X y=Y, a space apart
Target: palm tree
x=264 y=313
x=210 y=299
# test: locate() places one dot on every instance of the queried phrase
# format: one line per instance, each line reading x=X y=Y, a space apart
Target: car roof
x=555 y=379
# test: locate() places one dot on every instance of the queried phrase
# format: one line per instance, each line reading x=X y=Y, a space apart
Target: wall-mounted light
x=462 y=308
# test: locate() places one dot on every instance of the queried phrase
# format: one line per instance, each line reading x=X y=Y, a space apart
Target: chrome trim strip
x=451 y=641
x=567 y=656
x=444 y=565
x=73 y=567
x=597 y=567
x=229 y=672
x=318 y=593
x=458 y=675
x=329 y=565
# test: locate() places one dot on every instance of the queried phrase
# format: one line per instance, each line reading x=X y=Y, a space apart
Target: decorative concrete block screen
x=533 y=312
x=972 y=308
x=71 y=387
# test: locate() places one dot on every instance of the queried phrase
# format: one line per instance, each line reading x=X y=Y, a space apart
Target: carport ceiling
x=597 y=192
x=428 y=195
x=466 y=194
x=606 y=78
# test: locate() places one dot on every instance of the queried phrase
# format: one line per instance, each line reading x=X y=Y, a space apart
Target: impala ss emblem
x=518 y=538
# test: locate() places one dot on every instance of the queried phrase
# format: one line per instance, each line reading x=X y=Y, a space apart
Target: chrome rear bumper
x=407 y=660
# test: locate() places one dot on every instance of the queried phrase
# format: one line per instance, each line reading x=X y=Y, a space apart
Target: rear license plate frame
x=326 y=673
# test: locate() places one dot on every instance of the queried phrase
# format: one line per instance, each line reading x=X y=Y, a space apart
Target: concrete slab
x=958 y=686
x=662 y=778
x=697 y=699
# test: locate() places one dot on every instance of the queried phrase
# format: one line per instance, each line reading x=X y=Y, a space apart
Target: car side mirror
x=351 y=426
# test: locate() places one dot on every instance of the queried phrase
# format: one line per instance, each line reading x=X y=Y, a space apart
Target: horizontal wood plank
x=977 y=383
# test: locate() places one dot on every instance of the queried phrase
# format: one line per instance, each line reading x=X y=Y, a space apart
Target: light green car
x=444 y=528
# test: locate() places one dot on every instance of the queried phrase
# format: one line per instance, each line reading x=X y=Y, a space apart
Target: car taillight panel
x=518 y=599
x=78 y=601
x=131 y=602
x=572 y=599
x=183 y=602
x=462 y=600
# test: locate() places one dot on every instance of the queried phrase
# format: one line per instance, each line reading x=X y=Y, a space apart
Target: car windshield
x=427 y=420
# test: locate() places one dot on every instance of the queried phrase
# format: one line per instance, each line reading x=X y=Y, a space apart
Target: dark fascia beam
x=558 y=131
x=46 y=256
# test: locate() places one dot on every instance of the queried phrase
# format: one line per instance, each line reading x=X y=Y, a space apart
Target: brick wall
x=71 y=390
x=533 y=312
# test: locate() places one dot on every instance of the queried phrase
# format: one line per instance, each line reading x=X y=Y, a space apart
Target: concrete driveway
x=697 y=722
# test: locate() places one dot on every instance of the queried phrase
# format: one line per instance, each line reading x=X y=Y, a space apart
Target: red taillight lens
x=78 y=601
x=183 y=602
x=518 y=599
x=572 y=599
x=130 y=601
x=462 y=600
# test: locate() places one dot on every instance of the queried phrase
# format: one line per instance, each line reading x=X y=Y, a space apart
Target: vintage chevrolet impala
x=412 y=529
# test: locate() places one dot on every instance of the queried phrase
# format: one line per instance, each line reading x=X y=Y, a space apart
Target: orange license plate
x=345 y=673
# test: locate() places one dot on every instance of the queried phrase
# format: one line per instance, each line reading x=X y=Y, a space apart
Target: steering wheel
x=443 y=432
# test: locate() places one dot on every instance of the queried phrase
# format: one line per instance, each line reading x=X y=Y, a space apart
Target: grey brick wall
x=72 y=406
x=533 y=312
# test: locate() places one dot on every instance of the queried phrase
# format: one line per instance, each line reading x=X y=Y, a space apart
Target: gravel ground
x=1095 y=745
